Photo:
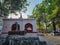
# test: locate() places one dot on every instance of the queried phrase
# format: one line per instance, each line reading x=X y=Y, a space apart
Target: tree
x=47 y=11
x=13 y=6
x=53 y=11
x=40 y=14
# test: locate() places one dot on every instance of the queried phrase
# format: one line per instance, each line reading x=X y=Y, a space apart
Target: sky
x=30 y=8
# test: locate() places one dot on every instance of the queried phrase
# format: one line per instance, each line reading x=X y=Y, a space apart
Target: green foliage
x=16 y=5
x=12 y=6
x=47 y=11
x=3 y=10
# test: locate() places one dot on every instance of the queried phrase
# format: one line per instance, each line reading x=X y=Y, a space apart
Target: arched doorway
x=28 y=27
x=15 y=27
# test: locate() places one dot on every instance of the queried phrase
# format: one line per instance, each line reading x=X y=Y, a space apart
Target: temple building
x=19 y=26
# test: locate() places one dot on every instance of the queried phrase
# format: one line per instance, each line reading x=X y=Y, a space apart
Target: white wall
x=22 y=23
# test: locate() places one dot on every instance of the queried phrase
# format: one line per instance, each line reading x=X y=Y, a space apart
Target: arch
x=15 y=27
x=28 y=27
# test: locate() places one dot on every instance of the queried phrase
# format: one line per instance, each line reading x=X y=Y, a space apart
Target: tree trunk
x=39 y=26
x=46 y=27
x=54 y=26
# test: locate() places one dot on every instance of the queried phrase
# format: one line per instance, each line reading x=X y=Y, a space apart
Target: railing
x=22 y=41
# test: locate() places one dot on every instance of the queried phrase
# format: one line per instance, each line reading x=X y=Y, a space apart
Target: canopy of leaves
x=3 y=10
x=11 y=6
x=48 y=8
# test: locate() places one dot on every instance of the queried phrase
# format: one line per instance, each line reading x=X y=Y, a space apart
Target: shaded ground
x=51 y=40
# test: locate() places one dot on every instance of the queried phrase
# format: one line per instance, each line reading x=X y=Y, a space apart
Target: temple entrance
x=15 y=27
x=28 y=27
x=15 y=30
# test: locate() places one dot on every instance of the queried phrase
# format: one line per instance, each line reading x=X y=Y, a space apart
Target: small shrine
x=19 y=26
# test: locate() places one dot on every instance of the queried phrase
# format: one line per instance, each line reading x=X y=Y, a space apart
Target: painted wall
x=7 y=24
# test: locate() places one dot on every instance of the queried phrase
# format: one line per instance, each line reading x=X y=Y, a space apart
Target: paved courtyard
x=51 y=40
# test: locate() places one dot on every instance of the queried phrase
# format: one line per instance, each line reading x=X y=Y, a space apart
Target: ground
x=51 y=40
